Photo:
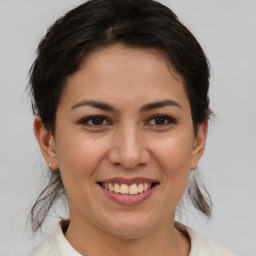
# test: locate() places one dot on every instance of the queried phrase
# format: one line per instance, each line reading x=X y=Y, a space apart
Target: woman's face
x=124 y=124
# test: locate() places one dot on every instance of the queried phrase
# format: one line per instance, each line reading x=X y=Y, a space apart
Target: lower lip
x=128 y=199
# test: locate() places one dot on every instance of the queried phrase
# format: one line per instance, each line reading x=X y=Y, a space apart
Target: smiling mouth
x=124 y=189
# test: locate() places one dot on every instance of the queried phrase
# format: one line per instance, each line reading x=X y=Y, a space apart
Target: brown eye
x=95 y=121
x=161 y=120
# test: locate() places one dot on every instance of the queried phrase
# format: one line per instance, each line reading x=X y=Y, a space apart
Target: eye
x=95 y=121
x=161 y=120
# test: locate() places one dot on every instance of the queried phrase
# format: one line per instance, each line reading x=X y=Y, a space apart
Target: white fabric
x=202 y=246
x=57 y=245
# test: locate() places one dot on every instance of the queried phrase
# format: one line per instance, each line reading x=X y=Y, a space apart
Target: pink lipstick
x=128 y=191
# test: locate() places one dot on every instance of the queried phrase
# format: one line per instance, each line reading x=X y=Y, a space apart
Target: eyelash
x=85 y=121
x=170 y=120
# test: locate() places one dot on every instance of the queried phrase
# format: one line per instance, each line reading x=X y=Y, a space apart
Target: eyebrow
x=160 y=104
x=93 y=103
x=107 y=107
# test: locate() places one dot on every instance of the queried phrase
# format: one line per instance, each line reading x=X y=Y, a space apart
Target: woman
x=120 y=93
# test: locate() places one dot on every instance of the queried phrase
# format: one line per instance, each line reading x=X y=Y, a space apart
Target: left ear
x=199 y=143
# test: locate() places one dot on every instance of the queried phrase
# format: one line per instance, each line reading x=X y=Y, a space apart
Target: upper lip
x=129 y=181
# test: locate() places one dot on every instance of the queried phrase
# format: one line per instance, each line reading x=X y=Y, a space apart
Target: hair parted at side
x=101 y=23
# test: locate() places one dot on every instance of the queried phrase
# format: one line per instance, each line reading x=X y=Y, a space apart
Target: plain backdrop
x=226 y=30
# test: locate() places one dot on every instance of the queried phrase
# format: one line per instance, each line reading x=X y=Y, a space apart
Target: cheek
x=174 y=156
x=78 y=158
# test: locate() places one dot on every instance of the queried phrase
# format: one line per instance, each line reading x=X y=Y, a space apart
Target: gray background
x=227 y=31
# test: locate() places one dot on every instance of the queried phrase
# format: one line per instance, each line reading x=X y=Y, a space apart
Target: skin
x=128 y=143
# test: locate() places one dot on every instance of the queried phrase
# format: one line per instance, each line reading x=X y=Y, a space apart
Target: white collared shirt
x=58 y=245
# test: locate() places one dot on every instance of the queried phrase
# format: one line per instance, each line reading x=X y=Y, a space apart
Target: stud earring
x=50 y=165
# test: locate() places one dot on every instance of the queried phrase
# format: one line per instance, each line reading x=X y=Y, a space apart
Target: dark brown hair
x=100 y=23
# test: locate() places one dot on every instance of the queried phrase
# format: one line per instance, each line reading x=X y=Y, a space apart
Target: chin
x=129 y=233
x=129 y=228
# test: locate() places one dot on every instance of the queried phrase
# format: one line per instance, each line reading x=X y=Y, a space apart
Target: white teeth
x=140 y=188
x=145 y=186
x=110 y=187
x=125 y=189
x=133 y=189
x=116 y=188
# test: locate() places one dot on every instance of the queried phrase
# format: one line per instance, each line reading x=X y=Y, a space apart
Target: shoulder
x=202 y=246
x=56 y=245
x=45 y=248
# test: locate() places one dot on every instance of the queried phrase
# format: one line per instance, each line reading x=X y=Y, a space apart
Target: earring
x=50 y=165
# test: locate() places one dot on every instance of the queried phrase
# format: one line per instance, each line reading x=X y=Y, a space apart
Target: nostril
x=128 y=153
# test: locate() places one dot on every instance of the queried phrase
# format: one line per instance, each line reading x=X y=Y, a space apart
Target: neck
x=90 y=241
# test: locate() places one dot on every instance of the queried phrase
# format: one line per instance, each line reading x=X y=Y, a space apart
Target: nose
x=128 y=148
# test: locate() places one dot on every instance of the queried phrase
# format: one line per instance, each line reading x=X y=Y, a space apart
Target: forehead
x=119 y=70
x=120 y=56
